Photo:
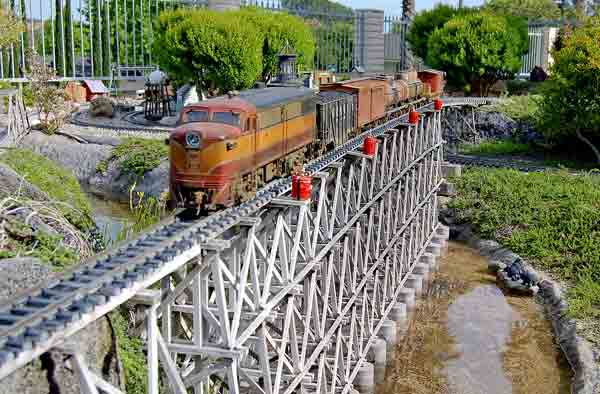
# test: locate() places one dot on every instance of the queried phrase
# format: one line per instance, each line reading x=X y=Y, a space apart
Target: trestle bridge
x=276 y=295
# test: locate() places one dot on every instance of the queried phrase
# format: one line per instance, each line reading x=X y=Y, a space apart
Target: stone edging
x=577 y=350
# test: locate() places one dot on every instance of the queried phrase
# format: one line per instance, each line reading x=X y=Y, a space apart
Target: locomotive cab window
x=196 y=115
x=227 y=117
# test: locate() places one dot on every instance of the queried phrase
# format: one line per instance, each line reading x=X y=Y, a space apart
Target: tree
x=10 y=27
x=228 y=50
x=478 y=49
x=570 y=104
x=425 y=23
x=210 y=48
x=531 y=9
x=277 y=29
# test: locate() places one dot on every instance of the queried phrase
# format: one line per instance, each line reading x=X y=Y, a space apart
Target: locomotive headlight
x=192 y=140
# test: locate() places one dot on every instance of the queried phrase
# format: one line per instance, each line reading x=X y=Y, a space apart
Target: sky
x=394 y=7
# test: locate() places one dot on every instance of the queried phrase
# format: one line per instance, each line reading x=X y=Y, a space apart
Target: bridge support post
x=407 y=297
x=430 y=260
x=365 y=378
x=422 y=269
x=400 y=316
x=415 y=282
x=379 y=349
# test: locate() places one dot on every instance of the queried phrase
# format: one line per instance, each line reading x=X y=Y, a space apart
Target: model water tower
x=287 y=64
x=157 y=104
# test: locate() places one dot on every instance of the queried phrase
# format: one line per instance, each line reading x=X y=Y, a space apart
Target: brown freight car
x=370 y=93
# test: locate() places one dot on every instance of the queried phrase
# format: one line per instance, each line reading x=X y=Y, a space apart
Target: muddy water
x=111 y=217
x=467 y=337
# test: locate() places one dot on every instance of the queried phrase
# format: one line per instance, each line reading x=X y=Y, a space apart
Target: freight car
x=225 y=148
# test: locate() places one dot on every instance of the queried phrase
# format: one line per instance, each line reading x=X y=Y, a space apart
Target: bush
x=277 y=29
x=136 y=156
x=228 y=50
x=551 y=218
x=203 y=45
x=570 y=107
x=478 y=49
x=505 y=147
x=425 y=23
x=531 y=9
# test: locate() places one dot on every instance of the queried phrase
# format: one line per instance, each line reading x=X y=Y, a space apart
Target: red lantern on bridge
x=438 y=104
x=301 y=187
x=369 y=145
x=413 y=117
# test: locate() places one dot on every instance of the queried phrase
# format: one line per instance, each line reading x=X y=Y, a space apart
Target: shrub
x=478 y=49
x=10 y=27
x=228 y=50
x=277 y=29
x=425 y=23
x=570 y=107
x=519 y=108
x=531 y=9
x=136 y=156
x=506 y=147
x=208 y=46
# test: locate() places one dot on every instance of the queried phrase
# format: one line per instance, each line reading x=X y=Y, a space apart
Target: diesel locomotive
x=224 y=149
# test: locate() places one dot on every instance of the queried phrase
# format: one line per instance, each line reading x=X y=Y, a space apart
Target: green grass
x=503 y=147
x=136 y=156
x=550 y=218
x=519 y=108
x=59 y=183
x=132 y=356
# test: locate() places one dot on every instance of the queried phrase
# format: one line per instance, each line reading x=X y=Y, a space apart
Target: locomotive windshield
x=226 y=117
x=197 y=116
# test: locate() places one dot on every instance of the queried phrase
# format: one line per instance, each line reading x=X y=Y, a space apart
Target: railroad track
x=41 y=318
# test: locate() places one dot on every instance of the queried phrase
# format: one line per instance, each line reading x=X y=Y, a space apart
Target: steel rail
x=41 y=318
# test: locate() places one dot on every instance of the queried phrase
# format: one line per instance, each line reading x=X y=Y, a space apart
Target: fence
x=112 y=39
x=541 y=37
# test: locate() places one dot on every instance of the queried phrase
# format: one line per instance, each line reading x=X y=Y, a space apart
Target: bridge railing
x=276 y=295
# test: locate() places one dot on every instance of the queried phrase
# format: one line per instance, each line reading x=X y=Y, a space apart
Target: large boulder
x=81 y=159
x=102 y=106
x=116 y=185
x=52 y=372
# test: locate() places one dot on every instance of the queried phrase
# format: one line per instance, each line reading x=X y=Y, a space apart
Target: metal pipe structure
x=276 y=295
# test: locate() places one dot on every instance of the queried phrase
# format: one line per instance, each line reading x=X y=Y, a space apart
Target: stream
x=111 y=217
x=467 y=336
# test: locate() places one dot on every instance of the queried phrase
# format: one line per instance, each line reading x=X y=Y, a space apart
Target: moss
x=48 y=248
x=551 y=218
x=136 y=156
x=59 y=183
x=131 y=353
x=504 y=147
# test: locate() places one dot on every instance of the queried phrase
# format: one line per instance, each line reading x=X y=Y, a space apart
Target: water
x=111 y=217
x=467 y=337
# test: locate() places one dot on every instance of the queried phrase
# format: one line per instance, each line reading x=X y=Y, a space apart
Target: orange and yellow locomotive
x=226 y=148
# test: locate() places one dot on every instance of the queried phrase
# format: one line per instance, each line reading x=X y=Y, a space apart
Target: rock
x=10 y=182
x=538 y=74
x=18 y=274
x=52 y=372
x=116 y=185
x=102 y=106
x=81 y=159
x=495 y=266
x=494 y=125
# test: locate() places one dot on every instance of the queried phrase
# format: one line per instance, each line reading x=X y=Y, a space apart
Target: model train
x=224 y=149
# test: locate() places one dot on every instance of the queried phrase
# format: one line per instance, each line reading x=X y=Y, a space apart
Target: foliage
x=58 y=183
x=478 y=48
x=136 y=156
x=49 y=99
x=48 y=248
x=571 y=105
x=10 y=27
x=503 y=147
x=209 y=47
x=551 y=218
x=146 y=211
x=425 y=23
x=277 y=29
x=531 y=9
x=519 y=108
x=131 y=354
x=522 y=86
x=317 y=5
x=228 y=50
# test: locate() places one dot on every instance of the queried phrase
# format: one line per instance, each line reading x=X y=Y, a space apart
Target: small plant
x=10 y=27
x=48 y=98
x=136 y=156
